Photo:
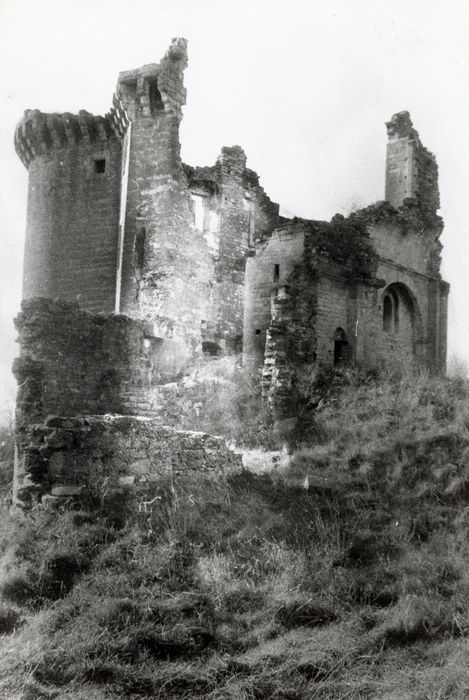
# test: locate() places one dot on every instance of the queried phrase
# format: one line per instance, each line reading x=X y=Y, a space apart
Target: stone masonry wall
x=233 y=212
x=73 y=207
x=411 y=170
x=263 y=280
x=72 y=362
x=72 y=456
x=165 y=265
x=73 y=366
x=111 y=220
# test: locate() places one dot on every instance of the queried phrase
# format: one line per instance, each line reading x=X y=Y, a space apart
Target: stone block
x=69 y=490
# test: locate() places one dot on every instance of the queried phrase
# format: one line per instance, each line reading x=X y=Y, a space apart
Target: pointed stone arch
x=401 y=322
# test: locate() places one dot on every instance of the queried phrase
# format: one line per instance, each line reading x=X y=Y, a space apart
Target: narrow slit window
x=396 y=314
x=140 y=249
x=387 y=314
x=276 y=273
x=100 y=166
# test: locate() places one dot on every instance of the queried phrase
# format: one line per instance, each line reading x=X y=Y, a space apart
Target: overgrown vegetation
x=222 y=398
x=7 y=452
x=343 y=574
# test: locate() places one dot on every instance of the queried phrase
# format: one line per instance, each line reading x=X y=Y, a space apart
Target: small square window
x=258 y=331
x=100 y=166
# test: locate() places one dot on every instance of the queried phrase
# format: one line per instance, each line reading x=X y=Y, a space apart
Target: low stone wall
x=64 y=456
x=72 y=362
x=73 y=368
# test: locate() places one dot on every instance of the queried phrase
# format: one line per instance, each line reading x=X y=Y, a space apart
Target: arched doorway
x=341 y=347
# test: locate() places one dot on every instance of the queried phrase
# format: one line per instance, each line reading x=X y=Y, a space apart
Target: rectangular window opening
x=100 y=166
x=154 y=97
x=258 y=331
x=276 y=273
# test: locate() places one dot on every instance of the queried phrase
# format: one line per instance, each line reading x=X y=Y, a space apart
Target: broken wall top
x=411 y=170
x=138 y=92
x=156 y=87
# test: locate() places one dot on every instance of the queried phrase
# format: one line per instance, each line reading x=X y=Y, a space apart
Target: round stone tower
x=74 y=166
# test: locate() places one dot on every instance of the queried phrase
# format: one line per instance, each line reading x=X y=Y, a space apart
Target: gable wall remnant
x=411 y=170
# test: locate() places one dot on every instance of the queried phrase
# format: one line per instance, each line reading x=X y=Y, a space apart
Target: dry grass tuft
x=255 y=586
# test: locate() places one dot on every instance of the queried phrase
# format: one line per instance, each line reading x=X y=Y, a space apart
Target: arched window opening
x=401 y=322
x=391 y=312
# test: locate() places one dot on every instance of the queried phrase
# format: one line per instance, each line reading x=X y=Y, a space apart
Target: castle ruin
x=137 y=263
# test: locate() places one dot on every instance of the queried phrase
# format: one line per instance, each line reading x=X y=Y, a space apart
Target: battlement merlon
x=38 y=133
x=411 y=169
x=156 y=88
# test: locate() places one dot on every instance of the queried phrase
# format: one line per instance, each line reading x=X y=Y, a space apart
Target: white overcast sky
x=304 y=86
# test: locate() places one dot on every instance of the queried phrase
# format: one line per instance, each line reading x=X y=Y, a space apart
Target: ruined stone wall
x=74 y=366
x=112 y=221
x=407 y=241
x=332 y=307
x=263 y=280
x=76 y=456
x=73 y=203
x=233 y=212
x=411 y=170
x=165 y=263
x=291 y=342
x=72 y=362
x=410 y=248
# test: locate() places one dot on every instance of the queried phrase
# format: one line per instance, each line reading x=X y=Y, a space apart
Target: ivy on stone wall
x=413 y=215
x=345 y=242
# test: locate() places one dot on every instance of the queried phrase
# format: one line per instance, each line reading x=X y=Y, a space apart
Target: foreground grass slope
x=255 y=586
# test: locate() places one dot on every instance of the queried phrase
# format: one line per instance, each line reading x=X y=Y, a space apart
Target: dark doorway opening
x=211 y=349
x=341 y=347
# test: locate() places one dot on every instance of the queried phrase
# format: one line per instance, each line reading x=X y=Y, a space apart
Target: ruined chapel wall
x=410 y=249
x=332 y=313
x=285 y=248
x=411 y=170
x=428 y=332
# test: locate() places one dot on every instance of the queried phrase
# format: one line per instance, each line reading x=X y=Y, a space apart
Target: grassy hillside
x=344 y=573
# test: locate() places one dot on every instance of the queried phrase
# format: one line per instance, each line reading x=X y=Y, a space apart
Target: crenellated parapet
x=38 y=133
x=118 y=116
x=156 y=88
